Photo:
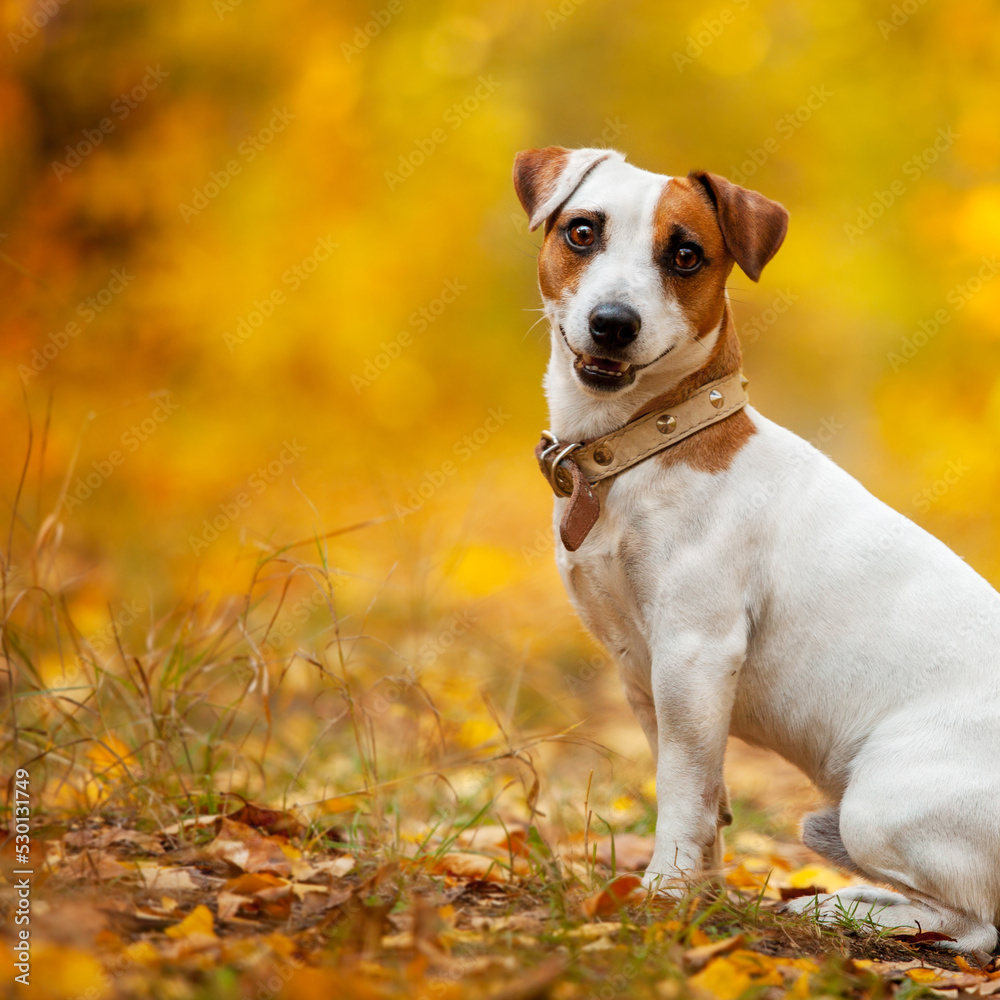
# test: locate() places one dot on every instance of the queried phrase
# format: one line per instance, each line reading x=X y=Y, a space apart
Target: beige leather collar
x=572 y=468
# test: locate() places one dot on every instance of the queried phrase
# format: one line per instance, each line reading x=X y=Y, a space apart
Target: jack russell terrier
x=744 y=583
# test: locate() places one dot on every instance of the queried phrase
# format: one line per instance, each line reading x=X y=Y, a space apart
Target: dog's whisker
x=532 y=327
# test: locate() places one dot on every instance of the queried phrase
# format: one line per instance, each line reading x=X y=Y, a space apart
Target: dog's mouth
x=603 y=373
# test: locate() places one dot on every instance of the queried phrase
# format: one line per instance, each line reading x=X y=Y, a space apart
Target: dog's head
x=633 y=265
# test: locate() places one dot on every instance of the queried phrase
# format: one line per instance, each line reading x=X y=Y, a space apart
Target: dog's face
x=633 y=265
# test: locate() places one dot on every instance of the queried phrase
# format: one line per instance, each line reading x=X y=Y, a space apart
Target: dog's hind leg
x=821 y=833
x=866 y=908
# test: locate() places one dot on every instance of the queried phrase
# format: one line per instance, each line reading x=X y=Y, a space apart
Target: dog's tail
x=821 y=833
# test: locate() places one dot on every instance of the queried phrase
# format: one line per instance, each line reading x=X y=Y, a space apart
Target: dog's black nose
x=614 y=324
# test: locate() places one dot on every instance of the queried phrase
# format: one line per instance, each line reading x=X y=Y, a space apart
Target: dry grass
x=441 y=825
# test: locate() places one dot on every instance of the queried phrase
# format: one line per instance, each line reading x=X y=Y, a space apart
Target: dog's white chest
x=611 y=579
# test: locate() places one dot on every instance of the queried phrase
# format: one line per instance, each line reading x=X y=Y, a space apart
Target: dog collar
x=571 y=468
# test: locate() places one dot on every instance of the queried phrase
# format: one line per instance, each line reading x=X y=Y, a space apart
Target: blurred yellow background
x=264 y=276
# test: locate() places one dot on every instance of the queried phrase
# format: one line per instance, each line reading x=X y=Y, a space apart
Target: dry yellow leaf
x=728 y=976
x=198 y=923
x=61 y=973
x=695 y=959
x=820 y=875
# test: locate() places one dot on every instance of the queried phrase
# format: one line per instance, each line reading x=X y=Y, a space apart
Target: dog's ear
x=545 y=178
x=752 y=226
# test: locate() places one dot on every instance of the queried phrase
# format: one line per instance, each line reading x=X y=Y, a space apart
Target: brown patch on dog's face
x=560 y=263
x=685 y=228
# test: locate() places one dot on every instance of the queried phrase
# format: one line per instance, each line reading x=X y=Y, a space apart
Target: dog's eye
x=688 y=258
x=580 y=233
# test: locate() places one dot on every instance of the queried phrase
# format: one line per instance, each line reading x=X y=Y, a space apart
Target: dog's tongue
x=604 y=364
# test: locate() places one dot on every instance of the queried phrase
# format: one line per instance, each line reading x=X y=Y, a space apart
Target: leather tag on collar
x=582 y=510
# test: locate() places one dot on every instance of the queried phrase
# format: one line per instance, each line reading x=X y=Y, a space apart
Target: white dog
x=744 y=583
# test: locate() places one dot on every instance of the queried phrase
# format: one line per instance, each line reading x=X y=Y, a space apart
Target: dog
x=743 y=582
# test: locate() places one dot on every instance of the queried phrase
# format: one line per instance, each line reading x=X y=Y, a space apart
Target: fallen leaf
x=197 y=928
x=728 y=976
x=271 y=820
x=66 y=972
x=695 y=959
x=110 y=758
x=170 y=879
x=109 y=836
x=463 y=864
x=741 y=878
x=788 y=893
x=885 y=969
x=251 y=883
x=589 y=931
x=94 y=866
x=818 y=875
x=613 y=896
x=247 y=849
x=926 y=976
x=601 y=944
x=337 y=867
x=257 y=893
x=176 y=828
x=919 y=937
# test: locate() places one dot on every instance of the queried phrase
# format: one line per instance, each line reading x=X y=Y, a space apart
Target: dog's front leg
x=694 y=684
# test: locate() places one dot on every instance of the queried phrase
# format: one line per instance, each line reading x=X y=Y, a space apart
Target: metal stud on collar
x=603 y=455
x=666 y=424
x=715 y=398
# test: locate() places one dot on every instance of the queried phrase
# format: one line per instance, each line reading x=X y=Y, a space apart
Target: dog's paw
x=675 y=881
x=664 y=886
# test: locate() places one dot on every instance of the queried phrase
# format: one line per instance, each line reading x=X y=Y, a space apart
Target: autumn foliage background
x=304 y=298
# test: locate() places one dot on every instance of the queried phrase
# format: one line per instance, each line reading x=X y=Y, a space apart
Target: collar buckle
x=550 y=457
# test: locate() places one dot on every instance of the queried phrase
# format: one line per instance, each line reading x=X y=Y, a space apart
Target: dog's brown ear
x=545 y=178
x=752 y=226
